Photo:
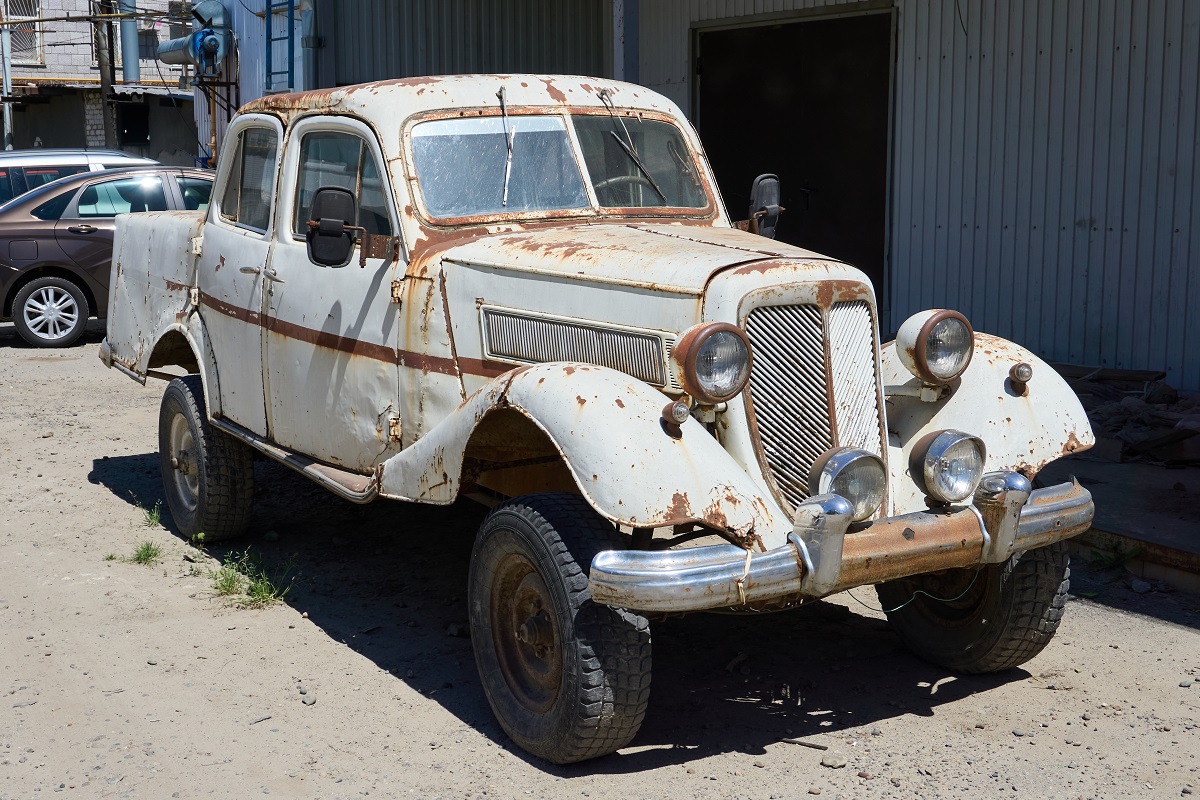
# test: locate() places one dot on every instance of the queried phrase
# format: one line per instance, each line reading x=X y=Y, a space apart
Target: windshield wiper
x=508 y=139
x=627 y=142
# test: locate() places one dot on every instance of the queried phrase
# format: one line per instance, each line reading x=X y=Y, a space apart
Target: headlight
x=713 y=361
x=857 y=475
x=936 y=345
x=951 y=465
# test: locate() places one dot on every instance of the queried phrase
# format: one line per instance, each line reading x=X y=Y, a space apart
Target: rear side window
x=250 y=185
x=36 y=176
x=195 y=193
x=6 y=187
x=54 y=208
x=128 y=196
x=341 y=159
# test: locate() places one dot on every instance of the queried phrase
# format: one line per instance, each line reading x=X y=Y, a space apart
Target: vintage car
x=525 y=289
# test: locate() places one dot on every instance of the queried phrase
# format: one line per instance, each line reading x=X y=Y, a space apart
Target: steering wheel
x=621 y=180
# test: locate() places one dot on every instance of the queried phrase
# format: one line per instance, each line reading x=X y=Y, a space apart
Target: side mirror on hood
x=764 y=205
x=331 y=234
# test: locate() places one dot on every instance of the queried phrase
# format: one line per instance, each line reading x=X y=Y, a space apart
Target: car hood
x=663 y=257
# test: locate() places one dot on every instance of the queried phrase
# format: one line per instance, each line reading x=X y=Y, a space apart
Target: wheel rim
x=185 y=463
x=51 y=312
x=525 y=632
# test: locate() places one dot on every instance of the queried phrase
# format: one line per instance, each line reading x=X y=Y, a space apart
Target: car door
x=331 y=359
x=233 y=265
x=85 y=230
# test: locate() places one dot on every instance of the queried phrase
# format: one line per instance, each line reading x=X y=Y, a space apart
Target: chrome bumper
x=821 y=558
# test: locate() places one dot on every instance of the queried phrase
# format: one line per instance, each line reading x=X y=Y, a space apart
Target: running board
x=348 y=485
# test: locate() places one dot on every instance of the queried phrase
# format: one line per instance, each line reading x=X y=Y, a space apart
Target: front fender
x=1023 y=430
x=607 y=428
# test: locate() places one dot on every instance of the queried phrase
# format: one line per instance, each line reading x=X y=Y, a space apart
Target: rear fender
x=1024 y=427
x=607 y=428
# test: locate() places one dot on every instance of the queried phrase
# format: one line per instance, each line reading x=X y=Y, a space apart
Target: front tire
x=208 y=476
x=568 y=679
x=1004 y=618
x=50 y=312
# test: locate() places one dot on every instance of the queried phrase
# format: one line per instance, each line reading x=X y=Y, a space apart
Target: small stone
x=1072 y=765
x=876 y=732
x=1086 y=717
x=304 y=614
x=833 y=760
x=814 y=790
x=865 y=776
x=189 y=558
x=1185 y=684
x=151 y=662
x=760 y=765
x=47 y=434
x=979 y=725
x=303 y=689
x=1186 y=790
x=1018 y=732
x=309 y=699
x=1140 y=586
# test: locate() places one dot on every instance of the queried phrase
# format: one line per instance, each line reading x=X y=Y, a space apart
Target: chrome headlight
x=952 y=465
x=713 y=361
x=936 y=345
x=857 y=475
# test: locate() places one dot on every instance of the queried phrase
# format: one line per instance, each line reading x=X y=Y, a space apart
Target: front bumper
x=821 y=558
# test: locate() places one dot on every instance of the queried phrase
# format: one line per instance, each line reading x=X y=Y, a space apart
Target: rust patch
x=579 y=399
x=1072 y=444
x=569 y=370
x=619 y=403
x=175 y=287
x=555 y=93
x=220 y=263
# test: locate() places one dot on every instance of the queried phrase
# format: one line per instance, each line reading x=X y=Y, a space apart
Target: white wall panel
x=1044 y=175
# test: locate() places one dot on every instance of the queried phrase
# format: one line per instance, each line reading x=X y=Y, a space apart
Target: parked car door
x=233 y=265
x=85 y=230
x=331 y=359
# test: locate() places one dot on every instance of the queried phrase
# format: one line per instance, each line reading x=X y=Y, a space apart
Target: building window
x=26 y=36
x=114 y=43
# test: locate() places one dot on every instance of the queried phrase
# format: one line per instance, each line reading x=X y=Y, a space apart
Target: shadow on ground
x=389 y=580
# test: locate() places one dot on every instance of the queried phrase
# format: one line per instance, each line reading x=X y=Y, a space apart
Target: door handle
x=83 y=229
x=250 y=270
x=272 y=275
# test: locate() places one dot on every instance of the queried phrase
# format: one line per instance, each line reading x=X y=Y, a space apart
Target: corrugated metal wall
x=376 y=39
x=1044 y=177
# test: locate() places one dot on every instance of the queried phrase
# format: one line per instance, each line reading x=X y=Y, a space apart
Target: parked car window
x=127 y=196
x=54 y=208
x=195 y=192
x=6 y=188
x=36 y=176
x=619 y=181
x=341 y=159
x=461 y=164
x=250 y=186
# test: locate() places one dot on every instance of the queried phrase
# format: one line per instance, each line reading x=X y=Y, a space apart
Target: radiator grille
x=852 y=364
x=538 y=340
x=790 y=392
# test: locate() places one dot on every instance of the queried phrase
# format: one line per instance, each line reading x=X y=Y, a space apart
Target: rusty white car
x=525 y=289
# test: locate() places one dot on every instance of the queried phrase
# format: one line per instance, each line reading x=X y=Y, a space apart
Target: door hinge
x=397 y=291
x=394 y=430
x=197 y=243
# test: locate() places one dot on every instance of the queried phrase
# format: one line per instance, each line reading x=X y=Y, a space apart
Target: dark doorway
x=809 y=102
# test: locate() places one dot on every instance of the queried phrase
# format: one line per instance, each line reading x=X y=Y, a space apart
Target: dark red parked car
x=56 y=244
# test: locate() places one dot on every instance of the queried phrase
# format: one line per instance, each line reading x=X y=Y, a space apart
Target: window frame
x=39 y=57
x=71 y=212
x=228 y=165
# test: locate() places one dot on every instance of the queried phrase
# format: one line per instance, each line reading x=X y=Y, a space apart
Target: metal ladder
x=280 y=80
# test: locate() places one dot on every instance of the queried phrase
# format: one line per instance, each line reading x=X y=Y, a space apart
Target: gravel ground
x=127 y=680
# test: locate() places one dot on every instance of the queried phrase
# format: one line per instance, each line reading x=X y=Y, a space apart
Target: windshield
x=461 y=166
x=614 y=145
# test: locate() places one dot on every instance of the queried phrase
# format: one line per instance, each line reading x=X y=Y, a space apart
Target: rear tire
x=50 y=312
x=1006 y=617
x=567 y=678
x=208 y=476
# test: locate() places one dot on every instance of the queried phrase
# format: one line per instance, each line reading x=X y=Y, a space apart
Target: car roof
x=41 y=194
x=40 y=156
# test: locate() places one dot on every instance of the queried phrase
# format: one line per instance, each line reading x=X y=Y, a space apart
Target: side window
x=250 y=187
x=36 y=176
x=341 y=159
x=53 y=209
x=195 y=192
x=127 y=196
x=6 y=187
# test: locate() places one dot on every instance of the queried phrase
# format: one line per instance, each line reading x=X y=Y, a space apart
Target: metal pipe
x=131 y=65
x=6 y=45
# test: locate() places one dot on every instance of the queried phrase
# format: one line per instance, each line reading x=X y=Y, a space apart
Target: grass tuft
x=254 y=585
x=147 y=553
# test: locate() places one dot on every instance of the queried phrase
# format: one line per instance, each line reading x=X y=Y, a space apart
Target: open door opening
x=808 y=101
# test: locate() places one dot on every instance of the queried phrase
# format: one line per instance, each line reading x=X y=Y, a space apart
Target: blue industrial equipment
x=207 y=46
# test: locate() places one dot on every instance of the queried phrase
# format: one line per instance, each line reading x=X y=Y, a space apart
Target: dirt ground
x=124 y=680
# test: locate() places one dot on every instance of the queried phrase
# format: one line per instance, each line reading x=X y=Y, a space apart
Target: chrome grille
x=789 y=393
x=852 y=364
x=539 y=339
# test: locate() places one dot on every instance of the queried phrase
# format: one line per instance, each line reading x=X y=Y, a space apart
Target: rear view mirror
x=331 y=230
x=764 y=205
